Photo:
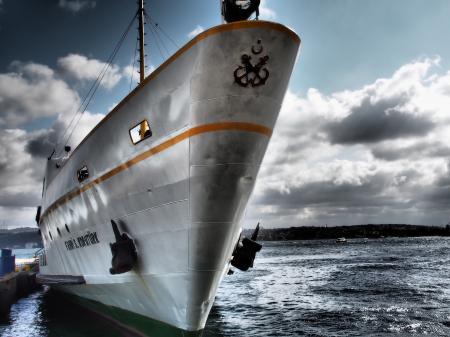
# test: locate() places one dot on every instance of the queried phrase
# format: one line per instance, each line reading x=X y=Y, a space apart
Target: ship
x=142 y=220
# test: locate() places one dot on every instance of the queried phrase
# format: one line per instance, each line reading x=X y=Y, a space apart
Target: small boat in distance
x=341 y=240
x=142 y=220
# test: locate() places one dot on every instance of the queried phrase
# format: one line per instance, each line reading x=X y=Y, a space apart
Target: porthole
x=140 y=131
x=82 y=174
x=67 y=228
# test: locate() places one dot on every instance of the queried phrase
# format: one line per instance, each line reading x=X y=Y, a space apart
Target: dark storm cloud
x=439 y=197
x=40 y=145
x=416 y=151
x=436 y=195
x=330 y=194
x=20 y=199
x=375 y=122
x=20 y=173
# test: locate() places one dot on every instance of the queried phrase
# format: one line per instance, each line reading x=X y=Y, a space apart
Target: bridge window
x=140 y=131
x=82 y=173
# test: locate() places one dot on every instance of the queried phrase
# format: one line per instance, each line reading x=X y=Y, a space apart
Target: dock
x=15 y=281
x=8 y=288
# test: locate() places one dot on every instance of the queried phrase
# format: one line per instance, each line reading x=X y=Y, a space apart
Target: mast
x=141 y=13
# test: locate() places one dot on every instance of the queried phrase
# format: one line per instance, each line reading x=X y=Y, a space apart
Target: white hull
x=181 y=193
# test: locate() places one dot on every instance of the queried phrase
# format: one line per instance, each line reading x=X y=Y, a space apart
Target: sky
x=363 y=134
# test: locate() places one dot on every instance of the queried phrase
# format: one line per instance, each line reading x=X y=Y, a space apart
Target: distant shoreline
x=20 y=238
x=370 y=231
x=27 y=237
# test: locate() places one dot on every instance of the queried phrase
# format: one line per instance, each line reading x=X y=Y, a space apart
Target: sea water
x=385 y=287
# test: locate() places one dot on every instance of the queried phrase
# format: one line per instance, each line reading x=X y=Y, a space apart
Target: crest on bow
x=252 y=74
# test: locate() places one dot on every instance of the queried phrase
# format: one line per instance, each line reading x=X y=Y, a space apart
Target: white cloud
x=82 y=68
x=265 y=12
x=14 y=217
x=32 y=91
x=129 y=71
x=20 y=177
x=376 y=154
x=85 y=124
x=76 y=6
x=197 y=30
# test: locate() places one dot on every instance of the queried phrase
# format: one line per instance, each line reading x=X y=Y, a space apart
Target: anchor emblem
x=249 y=74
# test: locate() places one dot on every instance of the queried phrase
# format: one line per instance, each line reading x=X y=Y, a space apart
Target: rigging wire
x=157 y=45
x=161 y=41
x=134 y=64
x=87 y=99
x=158 y=26
x=155 y=29
x=167 y=35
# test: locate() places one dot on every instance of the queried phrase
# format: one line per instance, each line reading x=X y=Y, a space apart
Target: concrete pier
x=8 y=289
x=26 y=283
x=14 y=284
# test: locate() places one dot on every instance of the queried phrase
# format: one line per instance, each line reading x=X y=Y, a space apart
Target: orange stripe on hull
x=216 y=127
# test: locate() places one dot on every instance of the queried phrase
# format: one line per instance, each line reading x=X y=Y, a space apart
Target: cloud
x=80 y=67
x=40 y=143
x=22 y=165
x=416 y=151
x=20 y=177
x=32 y=91
x=376 y=154
x=13 y=217
x=76 y=6
x=372 y=122
x=266 y=12
x=129 y=71
x=197 y=30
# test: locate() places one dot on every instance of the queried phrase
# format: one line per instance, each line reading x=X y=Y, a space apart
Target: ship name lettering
x=88 y=239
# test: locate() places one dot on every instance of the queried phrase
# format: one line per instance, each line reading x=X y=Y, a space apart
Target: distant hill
x=20 y=238
x=360 y=231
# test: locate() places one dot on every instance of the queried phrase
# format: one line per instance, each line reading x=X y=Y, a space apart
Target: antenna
x=141 y=13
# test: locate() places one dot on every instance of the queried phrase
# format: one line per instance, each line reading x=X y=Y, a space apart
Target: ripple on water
x=391 y=287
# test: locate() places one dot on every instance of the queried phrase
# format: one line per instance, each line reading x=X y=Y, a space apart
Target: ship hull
x=180 y=194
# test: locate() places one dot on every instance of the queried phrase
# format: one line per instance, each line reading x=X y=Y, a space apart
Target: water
x=389 y=287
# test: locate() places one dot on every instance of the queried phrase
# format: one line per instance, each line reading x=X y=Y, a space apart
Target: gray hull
x=181 y=193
